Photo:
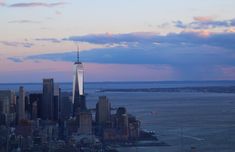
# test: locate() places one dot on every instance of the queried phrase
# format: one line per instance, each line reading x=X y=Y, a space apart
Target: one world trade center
x=78 y=98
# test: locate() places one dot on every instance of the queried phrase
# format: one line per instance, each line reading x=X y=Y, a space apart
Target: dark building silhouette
x=66 y=108
x=85 y=123
x=80 y=105
x=48 y=99
x=57 y=98
x=7 y=107
x=35 y=100
x=103 y=111
x=134 y=127
x=122 y=120
x=20 y=106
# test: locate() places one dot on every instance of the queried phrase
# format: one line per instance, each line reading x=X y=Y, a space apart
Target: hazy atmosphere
x=117 y=75
x=122 y=40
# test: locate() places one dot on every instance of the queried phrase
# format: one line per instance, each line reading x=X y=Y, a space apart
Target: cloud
x=109 y=38
x=193 y=55
x=37 y=4
x=203 y=18
x=192 y=62
x=160 y=54
x=205 y=23
x=223 y=40
x=53 y=40
x=227 y=71
x=15 y=59
x=17 y=44
x=232 y=30
x=24 y=21
x=181 y=49
x=2 y=2
x=180 y=24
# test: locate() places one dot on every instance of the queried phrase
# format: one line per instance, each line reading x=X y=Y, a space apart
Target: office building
x=7 y=103
x=103 y=111
x=34 y=113
x=35 y=100
x=85 y=123
x=48 y=99
x=122 y=120
x=21 y=105
x=134 y=127
x=66 y=108
x=78 y=98
x=57 y=98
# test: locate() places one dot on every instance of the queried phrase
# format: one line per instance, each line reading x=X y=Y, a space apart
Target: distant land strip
x=211 y=89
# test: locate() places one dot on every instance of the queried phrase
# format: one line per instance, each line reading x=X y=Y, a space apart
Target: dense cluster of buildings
x=52 y=120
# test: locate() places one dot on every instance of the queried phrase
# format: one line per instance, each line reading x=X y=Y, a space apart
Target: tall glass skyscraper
x=78 y=87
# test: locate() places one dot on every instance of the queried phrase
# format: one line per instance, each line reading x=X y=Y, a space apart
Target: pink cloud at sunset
x=227 y=72
x=203 y=18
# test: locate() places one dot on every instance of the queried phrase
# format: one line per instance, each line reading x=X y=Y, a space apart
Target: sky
x=119 y=40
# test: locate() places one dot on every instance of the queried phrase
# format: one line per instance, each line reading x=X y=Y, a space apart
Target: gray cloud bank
x=182 y=50
x=37 y=4
x=205 y=24
x=192 y=54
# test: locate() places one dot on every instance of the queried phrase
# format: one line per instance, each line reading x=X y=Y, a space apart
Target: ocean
x=205 y=120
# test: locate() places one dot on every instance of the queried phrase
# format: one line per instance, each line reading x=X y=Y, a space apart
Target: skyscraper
x=103 y=111
x=36 y=98
x=57 y=98
x=48 y=99
x=122 y=120
x=7 y=99
x=78 y=98
x=66 y=108
x=85 y=123
x=21 y=104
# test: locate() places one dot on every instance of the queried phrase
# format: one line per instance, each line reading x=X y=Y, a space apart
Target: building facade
x=103 y=110
x=48 y=99
x=78 y=98
x=7 y=103
x=21 y=105
x=85 y=123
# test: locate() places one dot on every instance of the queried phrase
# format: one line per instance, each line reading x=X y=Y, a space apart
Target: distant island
x=209 y=89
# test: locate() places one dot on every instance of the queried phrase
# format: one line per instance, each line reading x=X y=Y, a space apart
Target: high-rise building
x=7 y=99
x=103 y=110
x=48 y=99
x=78 y=98
x=34 y=113
x=35 y=100
x=27 y=107
x=66 y=108
x=57 y=98
x=122 y=120
x=134 y=127
x=85 y=123
x=21 y=105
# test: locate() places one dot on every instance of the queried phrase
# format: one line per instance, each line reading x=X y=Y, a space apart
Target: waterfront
x=181 y=119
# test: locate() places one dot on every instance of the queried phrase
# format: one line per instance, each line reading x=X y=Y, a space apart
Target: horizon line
x=145 y=81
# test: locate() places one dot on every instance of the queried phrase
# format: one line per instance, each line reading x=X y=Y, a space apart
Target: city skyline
x=132 y=41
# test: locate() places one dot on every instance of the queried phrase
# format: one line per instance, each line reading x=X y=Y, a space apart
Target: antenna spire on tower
x=77 y=53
